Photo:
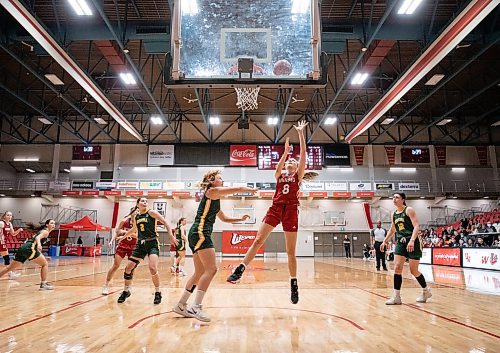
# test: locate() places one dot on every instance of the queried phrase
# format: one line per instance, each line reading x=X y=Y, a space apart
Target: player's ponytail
x=132 y=210
x=308 y=176
x=208 y=179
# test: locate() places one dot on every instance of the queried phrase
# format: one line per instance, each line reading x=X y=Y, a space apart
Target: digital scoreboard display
x=415 y=155
x=268 y=156
x=86 y=153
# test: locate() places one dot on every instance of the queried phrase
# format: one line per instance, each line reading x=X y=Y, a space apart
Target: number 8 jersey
x=287 y=190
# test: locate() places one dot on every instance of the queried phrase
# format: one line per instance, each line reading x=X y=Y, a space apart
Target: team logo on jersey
x=238 y=238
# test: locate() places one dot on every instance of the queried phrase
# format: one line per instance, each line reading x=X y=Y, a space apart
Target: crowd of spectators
x=482 y=230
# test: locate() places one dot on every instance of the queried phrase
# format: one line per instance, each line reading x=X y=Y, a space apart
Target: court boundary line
x=413 y=306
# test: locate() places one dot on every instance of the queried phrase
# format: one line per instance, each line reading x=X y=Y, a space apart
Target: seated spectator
x=427 y=243
x=480 y=242
x=480 y=228
x=470 y=243
x=496 y=243
x=453 y=243
x=446 y=241
x=489 y=228
x=496 y=224
x=462 y=243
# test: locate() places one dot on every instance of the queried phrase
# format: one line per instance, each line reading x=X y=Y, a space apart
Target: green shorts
x=26 y=252
x=199 y=241
x=416 y=254
x=181 y=246
x=146 y=248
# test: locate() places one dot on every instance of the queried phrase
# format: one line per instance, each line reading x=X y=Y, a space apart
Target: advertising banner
x=337 y=155
x=360 y=186
x=426 y=256
x=336 y=186
x=128 y=185
x=174 y=185
x=312 y=186
x=446 y=256
x=59 y=185
x=160 y=155
x=150 y=185
x=383 y=186
x=161 y=208
x=409 y=186
x=105 y=185
x=238 y=241
x=483 y=258
x=89 y=185
x=244 y=155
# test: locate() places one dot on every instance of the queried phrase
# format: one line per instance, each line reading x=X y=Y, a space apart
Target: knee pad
x=6 y=260
x=128 y=276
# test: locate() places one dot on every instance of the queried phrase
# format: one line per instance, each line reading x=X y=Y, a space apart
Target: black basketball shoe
x=294 y=294
x=236 y=275
x=157 y=298
x=125 y=294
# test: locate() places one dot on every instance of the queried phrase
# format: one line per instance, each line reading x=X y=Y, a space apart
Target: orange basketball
x=282 y=68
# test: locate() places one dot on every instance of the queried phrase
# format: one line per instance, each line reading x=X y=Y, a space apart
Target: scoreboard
x=86 y=153
x=415 y=155
x=268 y=156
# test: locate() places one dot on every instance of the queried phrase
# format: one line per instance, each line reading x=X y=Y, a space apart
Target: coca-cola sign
x=243 y=155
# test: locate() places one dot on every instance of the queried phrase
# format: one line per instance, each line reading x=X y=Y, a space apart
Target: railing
x=65 y=214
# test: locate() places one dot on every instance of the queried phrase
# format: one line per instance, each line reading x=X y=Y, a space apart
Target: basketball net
x=247 y=97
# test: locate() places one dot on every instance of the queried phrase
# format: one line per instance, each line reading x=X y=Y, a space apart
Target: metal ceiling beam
x=47 y=41
x=53 y=89
x=474 y=121
x=99 y=6
x=390 y=6
x=441 y=84
x=203 y=101
x=22 y=123
x=458 y=106
x=44 y=114
x=454 y=33
x=282 y=115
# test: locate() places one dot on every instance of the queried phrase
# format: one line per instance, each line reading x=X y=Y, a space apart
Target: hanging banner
x=161 y=208
x=112 y=193
x=243 y=155
x=409 y=186
x=312 y=185
x=59 y=185
x=360 y=186
x=238 y=242
x=383 y=186
x=342 y=195
x=441 y=154
x=359 y=152
x=127 y=185
x=71 y=193
x=322 y=194
x=174 y=185
x=391 y=154
x=150 y=185
x=482 y=155
x=159 y=155
x=336 y=186
x=134 y=193
x=157 y=193
x=365 y=194
x=90 y=193
x=105 y=185
x=83 y=185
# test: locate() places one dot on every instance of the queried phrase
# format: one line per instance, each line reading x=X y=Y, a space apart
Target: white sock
x=185 y=296
x=397 y=292
x=199 y=297
x=157 y=289
x=126 y=288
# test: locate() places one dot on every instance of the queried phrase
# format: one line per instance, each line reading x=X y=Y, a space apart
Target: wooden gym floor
x=341 y=309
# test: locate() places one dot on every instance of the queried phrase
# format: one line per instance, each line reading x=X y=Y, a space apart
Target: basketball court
x=172 y=89
x=341 y=310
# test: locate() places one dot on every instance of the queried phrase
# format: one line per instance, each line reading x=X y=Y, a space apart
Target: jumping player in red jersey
x=125 y=246
x=284 y=210
x=6 y=227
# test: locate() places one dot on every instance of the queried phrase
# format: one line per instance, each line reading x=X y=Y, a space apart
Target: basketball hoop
x=247 y=97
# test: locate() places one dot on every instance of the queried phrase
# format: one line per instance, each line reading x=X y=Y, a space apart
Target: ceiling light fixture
x=359 y=78
x=81 y=7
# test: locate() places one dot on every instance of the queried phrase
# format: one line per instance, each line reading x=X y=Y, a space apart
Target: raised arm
x=282 y=160
x=222 y=216
x=303 y=149
x=221 y=191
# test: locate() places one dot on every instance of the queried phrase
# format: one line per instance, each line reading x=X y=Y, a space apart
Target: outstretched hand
x=288 y=147
x=301 y=125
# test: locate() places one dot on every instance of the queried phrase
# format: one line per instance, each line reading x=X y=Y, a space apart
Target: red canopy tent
x=83 y=224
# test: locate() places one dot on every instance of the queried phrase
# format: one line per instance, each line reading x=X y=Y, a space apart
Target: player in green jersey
x=408 y=246
x=32 y=250
x=144 y=224
x=200 y=241
x=180 y=249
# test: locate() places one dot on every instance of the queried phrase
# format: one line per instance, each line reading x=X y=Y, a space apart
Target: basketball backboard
x=208 y=38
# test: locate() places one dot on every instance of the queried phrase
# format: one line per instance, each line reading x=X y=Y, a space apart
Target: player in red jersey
x=124 y=247
x=6 y=227
x=284 y=210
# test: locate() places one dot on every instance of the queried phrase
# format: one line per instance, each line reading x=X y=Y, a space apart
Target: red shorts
x=287 y=215
x=3 y=247
x=125 y=247
x=172 y=247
